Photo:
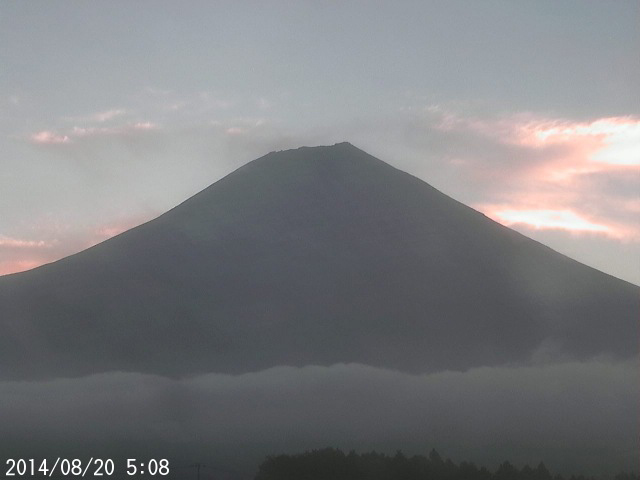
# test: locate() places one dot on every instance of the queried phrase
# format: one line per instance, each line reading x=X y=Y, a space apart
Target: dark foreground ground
x=334 y=464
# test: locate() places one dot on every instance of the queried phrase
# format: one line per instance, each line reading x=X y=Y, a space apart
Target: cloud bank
x=574 y=416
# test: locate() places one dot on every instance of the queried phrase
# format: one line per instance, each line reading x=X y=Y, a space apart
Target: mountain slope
x=311 y=256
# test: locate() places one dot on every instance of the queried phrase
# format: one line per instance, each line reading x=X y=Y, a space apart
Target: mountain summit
x=311 y=256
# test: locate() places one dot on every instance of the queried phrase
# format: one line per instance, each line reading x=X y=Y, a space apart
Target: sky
x=113 y=112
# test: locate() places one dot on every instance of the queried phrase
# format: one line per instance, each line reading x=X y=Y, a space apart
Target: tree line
x=334 y=464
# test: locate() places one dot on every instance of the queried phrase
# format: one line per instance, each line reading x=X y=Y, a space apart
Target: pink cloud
x=10 y=242
x=99 y=117
x=16 y=266
x=17 y=255
x=107 y=115
x=86 y=131
x=552 y=173
x=50 y=138
x=614 y=141
x=548 y=219
x=101 y=233
x=610 y=141
x=242 y=126
x=105 y=232
x=145 y=126
x=111 y=231
x=122 y=130
x=602 y=145
x=46 y=137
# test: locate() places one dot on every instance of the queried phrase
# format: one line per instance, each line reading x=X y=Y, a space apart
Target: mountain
x=311 y=256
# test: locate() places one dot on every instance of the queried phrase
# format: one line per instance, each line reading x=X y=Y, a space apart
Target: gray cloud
x=560 y=413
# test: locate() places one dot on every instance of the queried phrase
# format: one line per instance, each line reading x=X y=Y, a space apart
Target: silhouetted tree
x=506 y=471
x=333 y=464
x=542 y=473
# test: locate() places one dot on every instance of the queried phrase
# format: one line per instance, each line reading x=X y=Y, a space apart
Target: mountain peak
x=329 y=154
x=321 y=172
x=336 y=146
